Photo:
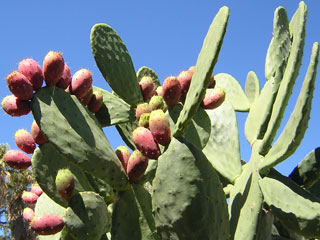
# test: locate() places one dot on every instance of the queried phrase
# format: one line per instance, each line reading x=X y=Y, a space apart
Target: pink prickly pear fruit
x=214 y=98
x=87 y=98
x=32 y=70
x=144 y=141
x=212 y=81
x=157 y=102
x=159 y=91
x=28 y=214
x=142 y=108
x=144 y=120
x=52 y=66
x=24 y=141
x=65 y=79
x=81 y=83
x=36 y=189
x=184 y=79
x=123 y=154
x=37 y=135
x=96 y=101
x=15 y=107
x=137 y=165
x=17 y=159
x=147 y=87
x=47 y=224
x=29 y=197
x=160 y=127
x=19 y=85
x=65 y=184
x=171 y=91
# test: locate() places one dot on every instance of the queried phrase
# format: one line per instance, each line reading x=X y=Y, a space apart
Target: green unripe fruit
x=65 y=184
x=157 y=102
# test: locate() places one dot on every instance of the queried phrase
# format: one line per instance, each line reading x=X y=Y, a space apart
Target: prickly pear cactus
x=184 y=178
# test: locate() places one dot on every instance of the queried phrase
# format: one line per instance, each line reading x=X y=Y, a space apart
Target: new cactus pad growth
x=194 y=186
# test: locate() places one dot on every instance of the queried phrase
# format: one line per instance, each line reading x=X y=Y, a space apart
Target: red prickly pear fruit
x=24 y=141
x=81 y=83
x=32 y=70
x=17 y=159
x=160 y=127
x=144 y=141
x=184 y=79
x=29 y=197
x=212 y=81
x=142 y=108
x=36 y=189
x=137 y=165
x=65 y=79
x=96 y=102
x=37 y=135
x=147 y=86
x=15 y=107
x=47 y=224
x=20 y=85
x=144 y=120
x=171 y=91
x=28 y=214
x=123 y=154
x=214 y=98
x=65 y=184
x=52 y=66
x=157 y=102
x=87 y=98
x=159 y=91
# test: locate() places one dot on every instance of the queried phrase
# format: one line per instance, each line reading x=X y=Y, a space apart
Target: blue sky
x=164 y=35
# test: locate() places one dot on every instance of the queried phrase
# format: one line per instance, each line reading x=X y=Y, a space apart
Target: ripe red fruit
x=81 y=83
x=32 y=70
x=52 y=66
x=47 y=224
x=29 y=197
x=184 y=79
x=142 y=108
x=36 y=189
x=160 y=127
x=96 y=102
x=15 y=107
x=37 y=135
x=65 y=79
x=24 y=141
x=171 y=91
x=137 y=165
x=17 y=159
x=20 y=85
x=148 y=88
x=28 y=214
x=214 y=98
x=123 y=154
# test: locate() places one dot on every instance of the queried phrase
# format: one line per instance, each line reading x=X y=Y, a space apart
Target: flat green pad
x=234 y=92
x=114 y=62
x=132 y=216
x=297 y=209
x=145 y=71
x=114 y=110
x=199 y=130
x=223 y=147
x=204 y=67
x=188 y=200
x=252 y=88
x=87 y=216
x=125 y=130
x=77 y=135
x=46 y=162
x=150 y=172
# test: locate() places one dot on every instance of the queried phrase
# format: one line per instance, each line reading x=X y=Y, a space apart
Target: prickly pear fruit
x=36 y=189
x=214 y=98
x=15 y=107
x=29 y=197
x=137 y=165
x=123 y=154
x=17 y=159
x=24 y=141
x=144 y=120
x=147 y=86
x=47 y=224
x=32 y=70
x=96 y=102
x=65 y=79
x=87 y=98
x=184 y=79
x=81 y=83
x=160 y=127
x=142 y=108
x=157 y=102
x=212 y=81
x=159 y=91
x=20 y=85
x=144 y=141
x=52 y=66
x=65 y=184
x=171 y=91
x=28 y=214
x=37 y=135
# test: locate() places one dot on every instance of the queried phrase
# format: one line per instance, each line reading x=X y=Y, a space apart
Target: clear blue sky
x=164 y=35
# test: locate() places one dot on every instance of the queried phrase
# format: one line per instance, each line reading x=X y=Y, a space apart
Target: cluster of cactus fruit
x=185 y=162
